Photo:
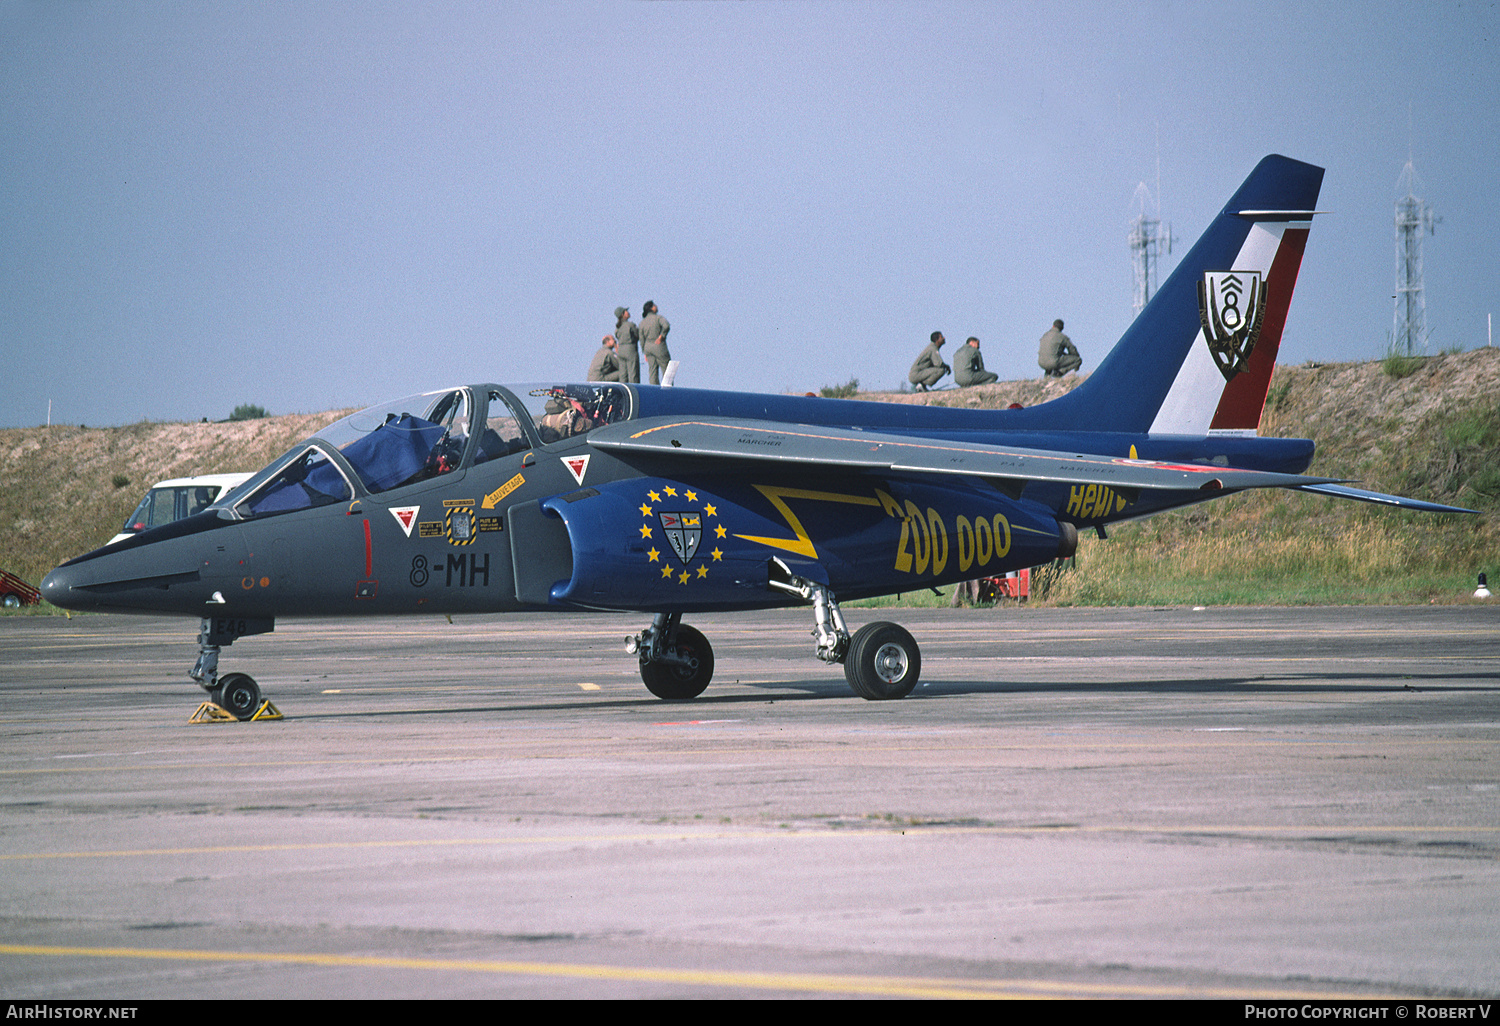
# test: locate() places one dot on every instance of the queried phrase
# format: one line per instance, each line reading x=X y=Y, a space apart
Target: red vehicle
x=15 y=593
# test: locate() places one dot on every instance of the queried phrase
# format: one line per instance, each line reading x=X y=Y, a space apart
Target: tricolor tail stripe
x=1244 y=395
x=1200 y=399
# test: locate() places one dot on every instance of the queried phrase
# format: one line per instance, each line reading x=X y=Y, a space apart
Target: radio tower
x=1413 y=219
x=1148 y=241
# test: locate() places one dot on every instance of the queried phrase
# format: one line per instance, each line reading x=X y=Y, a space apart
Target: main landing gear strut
x=881 y=660
x=677 y=661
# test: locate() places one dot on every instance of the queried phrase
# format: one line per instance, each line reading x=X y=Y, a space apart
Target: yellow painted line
x=823 y=983
x=845 y=830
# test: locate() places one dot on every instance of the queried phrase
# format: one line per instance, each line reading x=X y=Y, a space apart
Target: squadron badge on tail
x=1231 y=307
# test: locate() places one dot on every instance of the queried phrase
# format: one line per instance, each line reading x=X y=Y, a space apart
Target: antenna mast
x=1148 y=241
x=1414 y=218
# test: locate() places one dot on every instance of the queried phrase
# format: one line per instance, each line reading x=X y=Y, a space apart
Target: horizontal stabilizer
x=1345 y=492
x=732 y=439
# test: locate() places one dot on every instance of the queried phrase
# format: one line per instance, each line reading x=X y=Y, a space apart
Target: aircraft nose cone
x=60 y=588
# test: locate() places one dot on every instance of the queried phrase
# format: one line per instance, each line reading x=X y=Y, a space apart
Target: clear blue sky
x=309 y=205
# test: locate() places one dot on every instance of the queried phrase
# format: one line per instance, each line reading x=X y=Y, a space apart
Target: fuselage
x=478 y=499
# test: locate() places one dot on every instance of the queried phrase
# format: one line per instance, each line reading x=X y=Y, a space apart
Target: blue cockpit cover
x=393 y=453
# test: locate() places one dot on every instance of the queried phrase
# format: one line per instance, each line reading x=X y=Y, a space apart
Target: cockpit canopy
x=424 y=436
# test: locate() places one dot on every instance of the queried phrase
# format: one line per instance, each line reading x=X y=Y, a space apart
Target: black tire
x=883 y=662
x=238 y=694
x=681 y=683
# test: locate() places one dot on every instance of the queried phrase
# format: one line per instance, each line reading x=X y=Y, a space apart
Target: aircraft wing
x=1400 y=501
x=733 y=439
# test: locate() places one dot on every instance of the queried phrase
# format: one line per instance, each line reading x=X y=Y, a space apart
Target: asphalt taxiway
x=1275 y=803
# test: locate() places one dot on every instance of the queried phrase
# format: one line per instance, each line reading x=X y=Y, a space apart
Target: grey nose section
x=62 y=588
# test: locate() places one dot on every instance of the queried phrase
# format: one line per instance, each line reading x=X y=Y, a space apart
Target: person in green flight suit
x=654 y=328
x=1056 y=354
x=968 y=365
x=627 y=340
x=929 y=366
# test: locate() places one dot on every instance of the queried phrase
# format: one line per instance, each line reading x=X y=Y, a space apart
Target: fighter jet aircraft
x=669 y=501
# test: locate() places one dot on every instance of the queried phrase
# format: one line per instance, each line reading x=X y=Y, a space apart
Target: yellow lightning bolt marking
x=802 y=545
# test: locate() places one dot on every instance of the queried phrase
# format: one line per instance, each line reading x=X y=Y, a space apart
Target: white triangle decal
x=577 y=466
x=406 y=516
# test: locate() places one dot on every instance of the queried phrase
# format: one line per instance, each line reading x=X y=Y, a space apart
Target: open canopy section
x=560 y=411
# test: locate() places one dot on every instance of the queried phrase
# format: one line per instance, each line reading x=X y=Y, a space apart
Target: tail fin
x=1198 y=359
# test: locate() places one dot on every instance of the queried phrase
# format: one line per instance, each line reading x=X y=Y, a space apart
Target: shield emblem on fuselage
x=683 y=531
x=1231 y=307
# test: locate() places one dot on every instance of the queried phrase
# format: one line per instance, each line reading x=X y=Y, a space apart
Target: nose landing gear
x=236 y=693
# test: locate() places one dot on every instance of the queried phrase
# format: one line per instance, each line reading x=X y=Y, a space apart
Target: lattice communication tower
x=1149 y=239
x=1414 y=219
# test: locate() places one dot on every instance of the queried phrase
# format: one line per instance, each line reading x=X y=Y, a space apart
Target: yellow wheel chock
x=210 y=712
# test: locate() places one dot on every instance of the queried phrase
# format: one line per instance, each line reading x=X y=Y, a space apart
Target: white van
x=180 y=497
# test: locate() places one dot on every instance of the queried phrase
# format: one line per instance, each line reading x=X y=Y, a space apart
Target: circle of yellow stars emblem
x=676 y=524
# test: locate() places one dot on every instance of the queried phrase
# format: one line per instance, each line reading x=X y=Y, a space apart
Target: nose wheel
x=237 y=694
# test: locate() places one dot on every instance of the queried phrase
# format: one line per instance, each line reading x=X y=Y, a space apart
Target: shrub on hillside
x=248 y=411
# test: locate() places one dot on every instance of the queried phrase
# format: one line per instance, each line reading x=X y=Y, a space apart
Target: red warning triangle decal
x=405 y=516
x=577 y=466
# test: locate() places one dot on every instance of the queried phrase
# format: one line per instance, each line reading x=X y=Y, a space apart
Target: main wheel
x=882 y=662
x=238 y=694
x=678 y=683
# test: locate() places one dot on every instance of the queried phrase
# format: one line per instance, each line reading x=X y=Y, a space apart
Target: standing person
x=1056 y=355
x=654 y=328
x=968 y=365
x=929 y=366
x=627 y=337
x=606 y=365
